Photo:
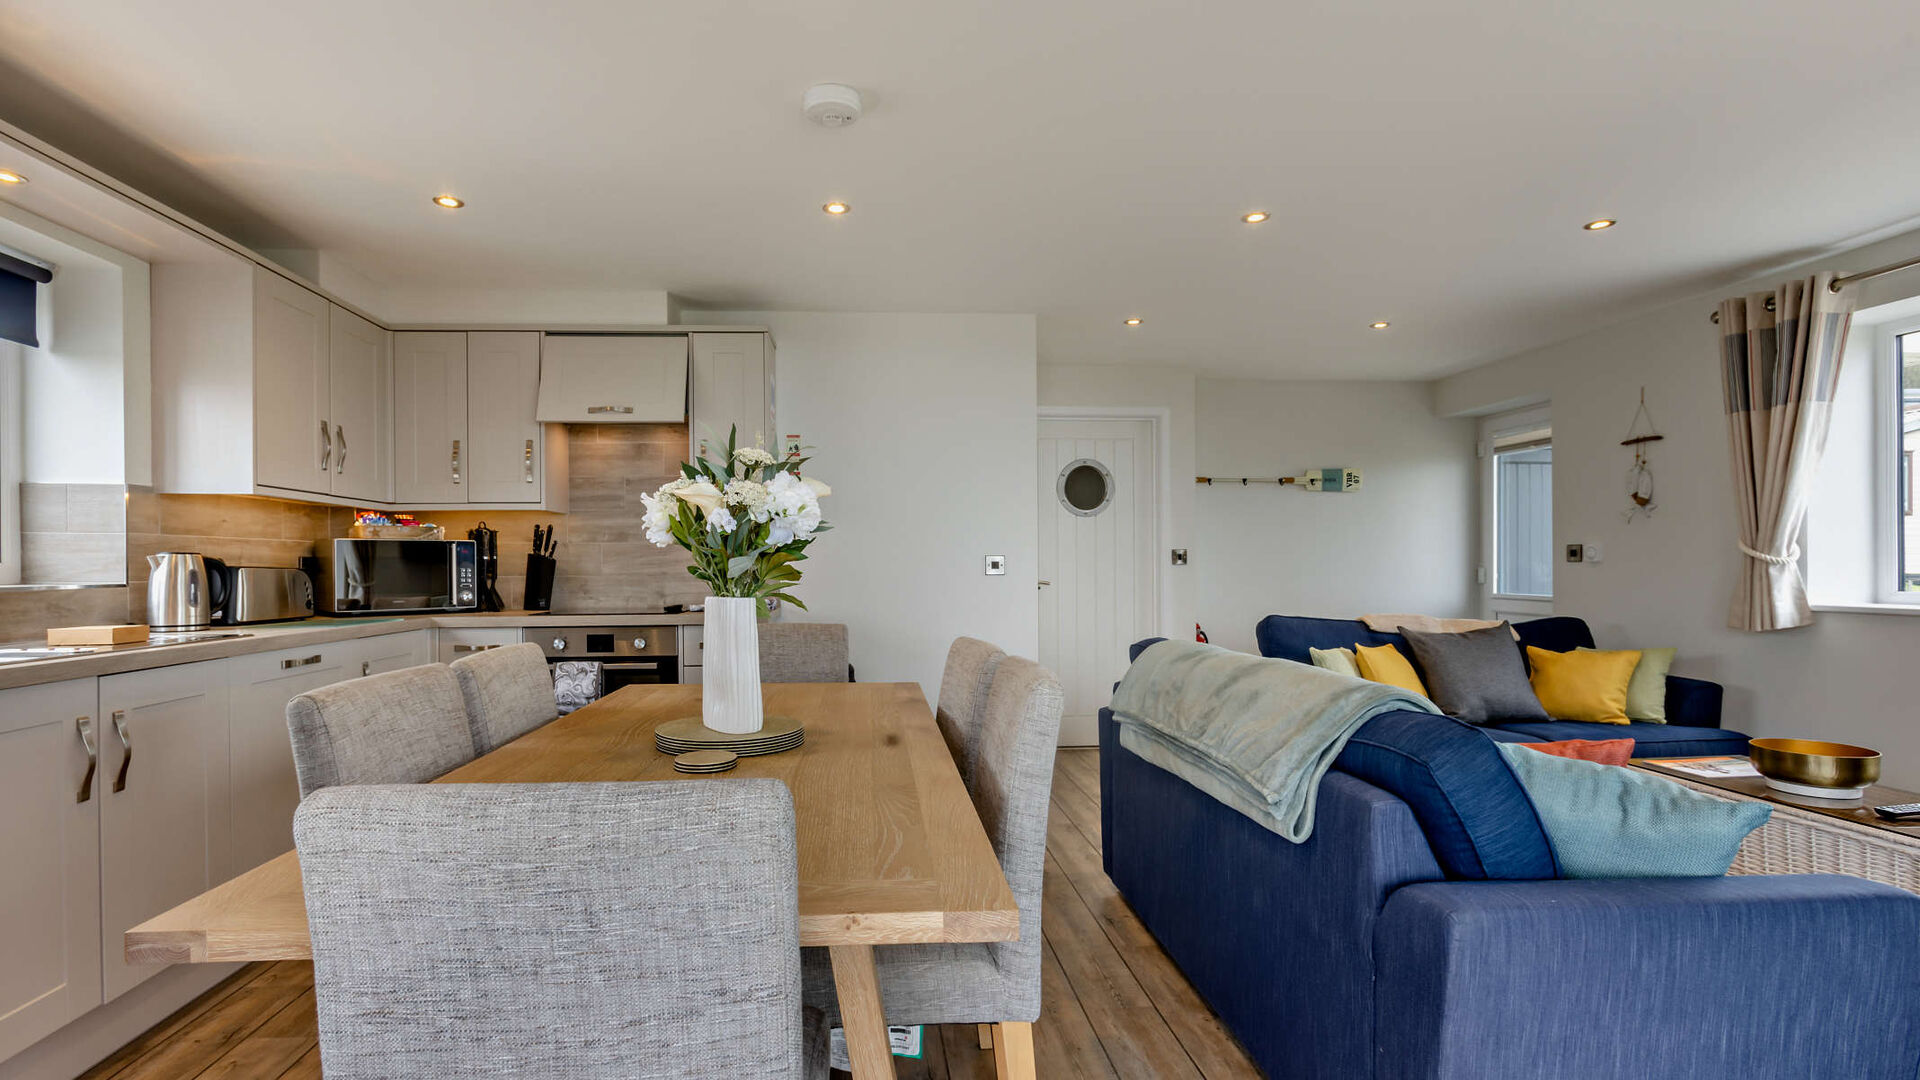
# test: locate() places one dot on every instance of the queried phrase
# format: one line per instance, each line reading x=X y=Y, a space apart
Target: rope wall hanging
x=1333 y=480
x=1640 y=435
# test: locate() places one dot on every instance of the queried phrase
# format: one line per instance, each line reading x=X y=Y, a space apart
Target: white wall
x=1402 y=543
x=1667 y=580
x=1120 y=387
x=925 y=426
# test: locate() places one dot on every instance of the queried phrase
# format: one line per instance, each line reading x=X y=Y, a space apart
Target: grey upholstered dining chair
x=994 y=983
x=398 y=727
x=803 y=652
x=963 y=698
x=567 y=930
x=508 y=692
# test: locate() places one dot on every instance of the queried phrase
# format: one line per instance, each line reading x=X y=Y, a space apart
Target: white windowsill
x=1870 y=609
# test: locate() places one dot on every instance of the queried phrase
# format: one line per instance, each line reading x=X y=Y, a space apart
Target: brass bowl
x=1815 y=763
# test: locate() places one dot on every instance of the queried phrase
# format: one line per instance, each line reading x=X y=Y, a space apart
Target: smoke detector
x=831 y=104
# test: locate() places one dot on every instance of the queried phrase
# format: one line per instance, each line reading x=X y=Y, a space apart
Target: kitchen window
x=1518 y=482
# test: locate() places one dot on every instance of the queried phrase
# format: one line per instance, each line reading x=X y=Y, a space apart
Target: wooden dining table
x=891 y=850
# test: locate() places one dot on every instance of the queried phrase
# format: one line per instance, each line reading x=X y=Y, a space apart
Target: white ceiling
x=1425 y=163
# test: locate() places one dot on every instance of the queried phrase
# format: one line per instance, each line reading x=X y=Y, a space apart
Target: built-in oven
x=399 y=577
x=627 y=655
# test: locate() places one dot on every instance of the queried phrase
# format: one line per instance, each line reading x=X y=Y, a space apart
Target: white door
x=357 y=386
x=1098 y=508
x=503 y=387
x=50 y=846
x=292 y=400
x=265 y=790
x=430 y=417
x=164 y=824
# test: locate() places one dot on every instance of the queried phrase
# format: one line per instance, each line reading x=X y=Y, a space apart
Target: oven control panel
x=607 y=642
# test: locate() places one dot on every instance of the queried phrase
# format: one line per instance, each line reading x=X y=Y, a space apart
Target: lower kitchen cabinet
x=165 y=828
x=265 y=790
x=50 y=846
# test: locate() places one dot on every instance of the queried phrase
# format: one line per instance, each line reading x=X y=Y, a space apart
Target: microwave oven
x=398 y=577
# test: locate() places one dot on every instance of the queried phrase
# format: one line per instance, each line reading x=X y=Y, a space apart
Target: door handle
x=623 y=409
x=529 y=461
x=340 y=436
x=326 y=447
x=303 y=661
x=456 y=461
x=85 y=724
x=1043 y=584
x=120 y=727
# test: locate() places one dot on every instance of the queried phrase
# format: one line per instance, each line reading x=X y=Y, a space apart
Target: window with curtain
x=1904 y=397
x=1522 y=506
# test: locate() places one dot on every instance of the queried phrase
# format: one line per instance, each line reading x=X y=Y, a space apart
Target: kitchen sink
x=23 y=653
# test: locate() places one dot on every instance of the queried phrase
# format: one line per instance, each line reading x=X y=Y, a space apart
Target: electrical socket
x=996 y=565
x=1576 y=552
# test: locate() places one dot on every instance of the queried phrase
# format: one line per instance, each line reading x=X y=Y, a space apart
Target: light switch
x=996 y=564
x=1594 y=553
x=1576 y=552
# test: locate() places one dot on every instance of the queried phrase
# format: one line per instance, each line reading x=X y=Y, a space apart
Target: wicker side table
x=1799 y=839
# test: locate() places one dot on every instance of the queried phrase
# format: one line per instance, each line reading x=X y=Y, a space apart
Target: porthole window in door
x=1085 y=487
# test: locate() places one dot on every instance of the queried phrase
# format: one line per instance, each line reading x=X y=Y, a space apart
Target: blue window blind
x=1523 y=522
x=18 y=277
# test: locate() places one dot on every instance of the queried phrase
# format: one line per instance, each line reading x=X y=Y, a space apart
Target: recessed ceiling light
x=1254 y=218
x=1381 y=325
x=836 y=208
x=450 y=202
x=1599 y=223
x=1135 y=321
x=8 y=176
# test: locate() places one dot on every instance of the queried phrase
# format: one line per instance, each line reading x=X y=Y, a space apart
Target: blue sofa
x=1421 y=933
x=1693 y=705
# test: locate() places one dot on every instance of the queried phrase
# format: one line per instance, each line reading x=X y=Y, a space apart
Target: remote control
x=1899 y=811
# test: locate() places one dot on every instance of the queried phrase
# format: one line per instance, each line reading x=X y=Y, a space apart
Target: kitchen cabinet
x=613 y=379
x=49 y=844
x=264 y=790
x=455 y=643
x=164 y=801
x=692 y=653
x=503 y=380
x=292 y=398
x=390 y=652
x=432 y=458
x=358 y=380
x=732 y=387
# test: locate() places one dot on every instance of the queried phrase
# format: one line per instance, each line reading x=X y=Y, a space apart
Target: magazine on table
x=1714 y=767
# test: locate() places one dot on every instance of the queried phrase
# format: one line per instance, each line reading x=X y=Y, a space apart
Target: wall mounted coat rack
x=1337 y=480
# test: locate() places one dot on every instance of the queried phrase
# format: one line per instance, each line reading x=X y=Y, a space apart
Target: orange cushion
x=1604 y=751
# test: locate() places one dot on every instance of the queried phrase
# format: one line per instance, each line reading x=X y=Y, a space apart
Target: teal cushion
x=1606 y=821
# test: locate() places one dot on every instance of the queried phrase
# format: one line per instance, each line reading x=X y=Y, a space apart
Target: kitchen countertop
x=267 y=637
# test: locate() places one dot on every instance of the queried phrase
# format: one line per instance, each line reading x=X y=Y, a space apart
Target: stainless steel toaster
x=266 y=594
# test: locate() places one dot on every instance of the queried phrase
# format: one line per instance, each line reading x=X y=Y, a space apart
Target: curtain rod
x=1842 y=282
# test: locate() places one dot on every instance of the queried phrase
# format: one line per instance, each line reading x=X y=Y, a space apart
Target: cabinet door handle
x=340 y=436
x=326 y=447
x=623 y=409
x=85 y=724
x=303 y=661
x=474 y=648
x=456 y=461
x=529 y=460
x=120 y=727
x=366 y=668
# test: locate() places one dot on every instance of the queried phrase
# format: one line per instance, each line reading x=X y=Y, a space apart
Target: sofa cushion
x=1477 y=675
x=1473 y=811
x=1649 y=740
x=1585 y=684
x=1388 y=665
x=1555 y=633
x=1600 y=751
x=1288 y=637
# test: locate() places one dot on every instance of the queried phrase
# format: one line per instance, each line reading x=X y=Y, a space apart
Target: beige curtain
x=1779 y=368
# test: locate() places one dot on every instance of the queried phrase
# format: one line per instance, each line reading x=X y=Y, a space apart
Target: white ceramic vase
x=730 y=690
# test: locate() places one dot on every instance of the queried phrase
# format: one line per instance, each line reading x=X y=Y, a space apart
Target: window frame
x=12 y=447
x=1889 y=451
x=1496 y=604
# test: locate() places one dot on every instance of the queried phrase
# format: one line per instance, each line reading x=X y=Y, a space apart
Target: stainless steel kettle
x=184 y=590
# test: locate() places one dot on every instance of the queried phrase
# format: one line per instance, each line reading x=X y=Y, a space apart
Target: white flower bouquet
x=747 y=520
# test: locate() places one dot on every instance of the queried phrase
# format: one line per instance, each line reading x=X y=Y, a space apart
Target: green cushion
x=1340 y=660
x=1647 y=690
x=1605 y=821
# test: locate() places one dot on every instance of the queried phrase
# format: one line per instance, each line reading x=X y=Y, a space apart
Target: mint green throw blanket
x=1255 y=733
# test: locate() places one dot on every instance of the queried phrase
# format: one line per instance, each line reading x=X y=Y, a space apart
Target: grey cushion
x=998 y=981
x=557 y=930
x=1478 y=676
x=399 y=727
x=963 y=699
x=508 y=692
x=803 y=652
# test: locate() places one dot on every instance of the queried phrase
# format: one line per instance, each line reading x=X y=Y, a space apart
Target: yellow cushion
x=1585 y=684
x=1386 y=664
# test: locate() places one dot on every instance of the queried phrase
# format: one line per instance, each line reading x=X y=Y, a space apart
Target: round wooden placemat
x=706 y=761
x=774 y=736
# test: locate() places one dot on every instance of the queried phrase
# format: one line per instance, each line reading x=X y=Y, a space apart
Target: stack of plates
x=705 y=761
x=688 y=734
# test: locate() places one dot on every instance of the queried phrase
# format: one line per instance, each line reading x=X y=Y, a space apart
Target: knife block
x=538 y=595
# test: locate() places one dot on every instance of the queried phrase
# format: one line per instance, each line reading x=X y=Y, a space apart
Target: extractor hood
x=613 y=379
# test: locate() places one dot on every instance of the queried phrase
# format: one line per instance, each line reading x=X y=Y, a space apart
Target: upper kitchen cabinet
x=264 y=387
x=732 y=388
x=465 y=431
x=613 y=379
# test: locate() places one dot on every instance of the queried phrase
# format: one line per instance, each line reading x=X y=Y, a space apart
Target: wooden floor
x=1114 y=1005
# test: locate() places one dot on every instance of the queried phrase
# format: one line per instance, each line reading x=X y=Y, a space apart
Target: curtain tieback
x=1792 y=555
